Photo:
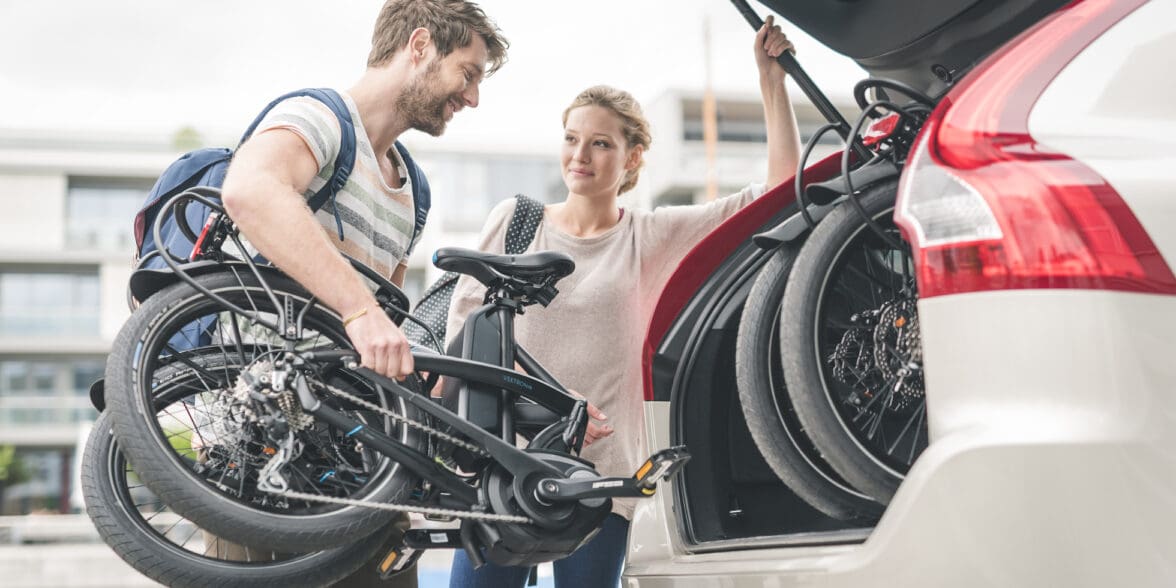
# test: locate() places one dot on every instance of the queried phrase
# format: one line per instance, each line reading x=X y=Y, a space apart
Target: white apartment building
x=68 y=201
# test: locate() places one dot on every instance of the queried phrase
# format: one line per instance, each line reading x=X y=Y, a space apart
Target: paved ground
x=91 y=565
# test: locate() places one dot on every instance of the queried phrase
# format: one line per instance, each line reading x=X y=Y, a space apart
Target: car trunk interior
x=731 y=493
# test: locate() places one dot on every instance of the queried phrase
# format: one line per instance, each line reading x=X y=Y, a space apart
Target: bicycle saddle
x=493 y=270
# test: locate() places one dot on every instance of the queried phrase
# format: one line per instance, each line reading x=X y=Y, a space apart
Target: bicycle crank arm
x=660 y=466
x=433 y=539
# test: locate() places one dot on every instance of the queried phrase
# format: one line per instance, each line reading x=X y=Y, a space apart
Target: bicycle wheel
x=850 y=347
x=173 y=551
x=768 y=409
x=203 y=451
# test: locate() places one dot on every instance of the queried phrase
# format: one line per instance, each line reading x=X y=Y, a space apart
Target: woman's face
x=595 y=156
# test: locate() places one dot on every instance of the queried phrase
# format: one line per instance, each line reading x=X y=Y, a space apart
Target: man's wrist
x=347 y=320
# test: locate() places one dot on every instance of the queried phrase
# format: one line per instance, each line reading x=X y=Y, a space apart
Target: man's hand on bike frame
x=382 y=346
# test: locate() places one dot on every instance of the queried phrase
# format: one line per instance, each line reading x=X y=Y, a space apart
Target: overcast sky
x=149 y=66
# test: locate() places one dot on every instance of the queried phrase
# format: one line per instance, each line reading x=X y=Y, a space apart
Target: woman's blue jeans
x=595 y=565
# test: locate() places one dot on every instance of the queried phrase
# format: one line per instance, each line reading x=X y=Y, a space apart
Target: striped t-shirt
x=377 y=219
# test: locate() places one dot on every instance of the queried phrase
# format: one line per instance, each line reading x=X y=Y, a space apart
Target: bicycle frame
x=516 y=461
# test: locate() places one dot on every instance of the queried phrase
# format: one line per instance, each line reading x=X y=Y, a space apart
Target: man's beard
x=420 y=104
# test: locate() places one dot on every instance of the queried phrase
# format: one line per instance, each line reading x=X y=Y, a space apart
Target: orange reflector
x=269 y=451
x=389 y=560
x=648 y=465
x=900 y=321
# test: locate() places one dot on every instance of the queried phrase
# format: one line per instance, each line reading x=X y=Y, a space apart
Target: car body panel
x=1109 y=108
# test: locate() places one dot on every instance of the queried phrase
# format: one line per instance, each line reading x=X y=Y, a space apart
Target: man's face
x=447 y=85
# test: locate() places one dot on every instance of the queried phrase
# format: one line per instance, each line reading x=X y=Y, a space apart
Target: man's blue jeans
x=595 y=565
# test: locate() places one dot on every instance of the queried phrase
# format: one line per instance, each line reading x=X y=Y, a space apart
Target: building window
x=735 y=122
x=36 y=392
x=46 y=304
x=100 y=212
x=471 y=186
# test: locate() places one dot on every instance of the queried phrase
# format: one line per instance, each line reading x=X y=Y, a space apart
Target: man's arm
x=263 y=193
x=398 y=275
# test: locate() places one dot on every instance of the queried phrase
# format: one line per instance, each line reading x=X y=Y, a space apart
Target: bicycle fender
x=862 y=178
x=146 y=282
x=824 y=197
x=793 y=227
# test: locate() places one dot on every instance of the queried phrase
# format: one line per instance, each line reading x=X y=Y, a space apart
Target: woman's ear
x=634 y=160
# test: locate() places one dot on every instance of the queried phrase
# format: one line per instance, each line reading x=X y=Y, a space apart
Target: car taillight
x=987 y=207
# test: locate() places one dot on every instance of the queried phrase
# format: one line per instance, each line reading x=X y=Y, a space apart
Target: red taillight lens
x=989 y=208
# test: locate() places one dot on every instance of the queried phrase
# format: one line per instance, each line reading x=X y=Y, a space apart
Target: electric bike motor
x=559 y=527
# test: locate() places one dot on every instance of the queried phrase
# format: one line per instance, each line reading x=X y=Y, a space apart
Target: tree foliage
x=12 y=469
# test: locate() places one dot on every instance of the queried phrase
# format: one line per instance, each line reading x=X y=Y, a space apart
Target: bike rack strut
x=788 y=61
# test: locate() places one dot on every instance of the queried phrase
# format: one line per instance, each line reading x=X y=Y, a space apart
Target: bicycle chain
x=407 y=421
x=425 y=510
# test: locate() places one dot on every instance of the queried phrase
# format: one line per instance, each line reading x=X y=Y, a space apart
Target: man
x=427 y=60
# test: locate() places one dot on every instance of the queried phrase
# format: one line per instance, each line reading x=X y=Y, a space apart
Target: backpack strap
x=344 y=161
x=528 y=213
x=421 y=195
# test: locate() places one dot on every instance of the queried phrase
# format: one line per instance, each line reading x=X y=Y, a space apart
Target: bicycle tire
x=768 y=411
x=128 y=518
x=810 y=304
x=171 y=472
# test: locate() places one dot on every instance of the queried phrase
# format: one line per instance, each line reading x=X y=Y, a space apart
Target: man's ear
x=420 y=45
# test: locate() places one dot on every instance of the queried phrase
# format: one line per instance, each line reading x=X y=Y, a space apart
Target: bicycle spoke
x=868 y=278
x=237 y=337
x=916 y=417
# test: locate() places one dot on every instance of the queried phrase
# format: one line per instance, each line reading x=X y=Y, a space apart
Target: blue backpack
x=207 y=167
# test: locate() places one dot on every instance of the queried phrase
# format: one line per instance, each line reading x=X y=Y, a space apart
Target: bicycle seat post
x=507 y=308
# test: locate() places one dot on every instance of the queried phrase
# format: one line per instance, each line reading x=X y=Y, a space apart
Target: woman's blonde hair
x=633 y=124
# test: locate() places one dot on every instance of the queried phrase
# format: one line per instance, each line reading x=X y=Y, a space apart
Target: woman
x=590 y=337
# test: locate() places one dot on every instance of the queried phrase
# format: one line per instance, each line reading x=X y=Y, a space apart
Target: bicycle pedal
x=660 y=466
x=422 y=539
x=398 y=560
